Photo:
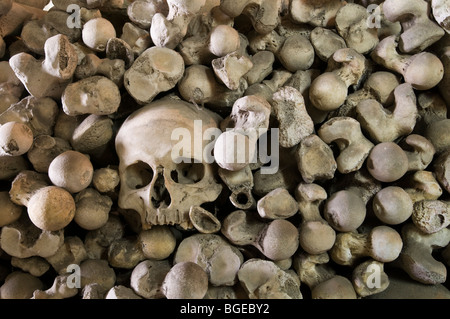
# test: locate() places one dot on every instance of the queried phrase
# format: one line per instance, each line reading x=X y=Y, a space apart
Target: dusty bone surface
x=113 y=155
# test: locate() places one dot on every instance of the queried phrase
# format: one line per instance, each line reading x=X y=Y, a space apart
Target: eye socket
x=138 y=175
x=188 y=173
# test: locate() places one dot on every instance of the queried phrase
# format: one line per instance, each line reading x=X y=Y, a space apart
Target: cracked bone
x=48 y=77
x=156 y=70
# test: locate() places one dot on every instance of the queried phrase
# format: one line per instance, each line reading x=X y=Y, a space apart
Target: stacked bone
x=355 y=94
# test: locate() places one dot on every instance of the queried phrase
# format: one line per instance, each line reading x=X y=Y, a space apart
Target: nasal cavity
x=159 y=194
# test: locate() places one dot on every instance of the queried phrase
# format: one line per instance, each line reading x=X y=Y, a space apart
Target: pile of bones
x=351 y=97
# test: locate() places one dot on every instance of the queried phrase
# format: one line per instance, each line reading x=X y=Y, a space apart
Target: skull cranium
x=153 y=183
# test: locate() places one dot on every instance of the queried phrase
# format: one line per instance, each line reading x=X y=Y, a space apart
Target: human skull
x=153 y=183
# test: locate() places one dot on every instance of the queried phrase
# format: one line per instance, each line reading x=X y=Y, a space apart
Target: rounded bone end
x=337 y=287
x=51 y=208
x=392 y=205
x=157 y=242
x=96 y=33
x=387 y=162
x=92 y=209
x=20 y=285
x=233 y=151
x=328 y=92
x=185 y=280
x=386 y=243
x=345 y=211
x=71 y=170
x=15 y=139
x=316 y=237
x=280 y=240
x=425 y=71
x=224 y=39
x=297 y=53
x=198 y=84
